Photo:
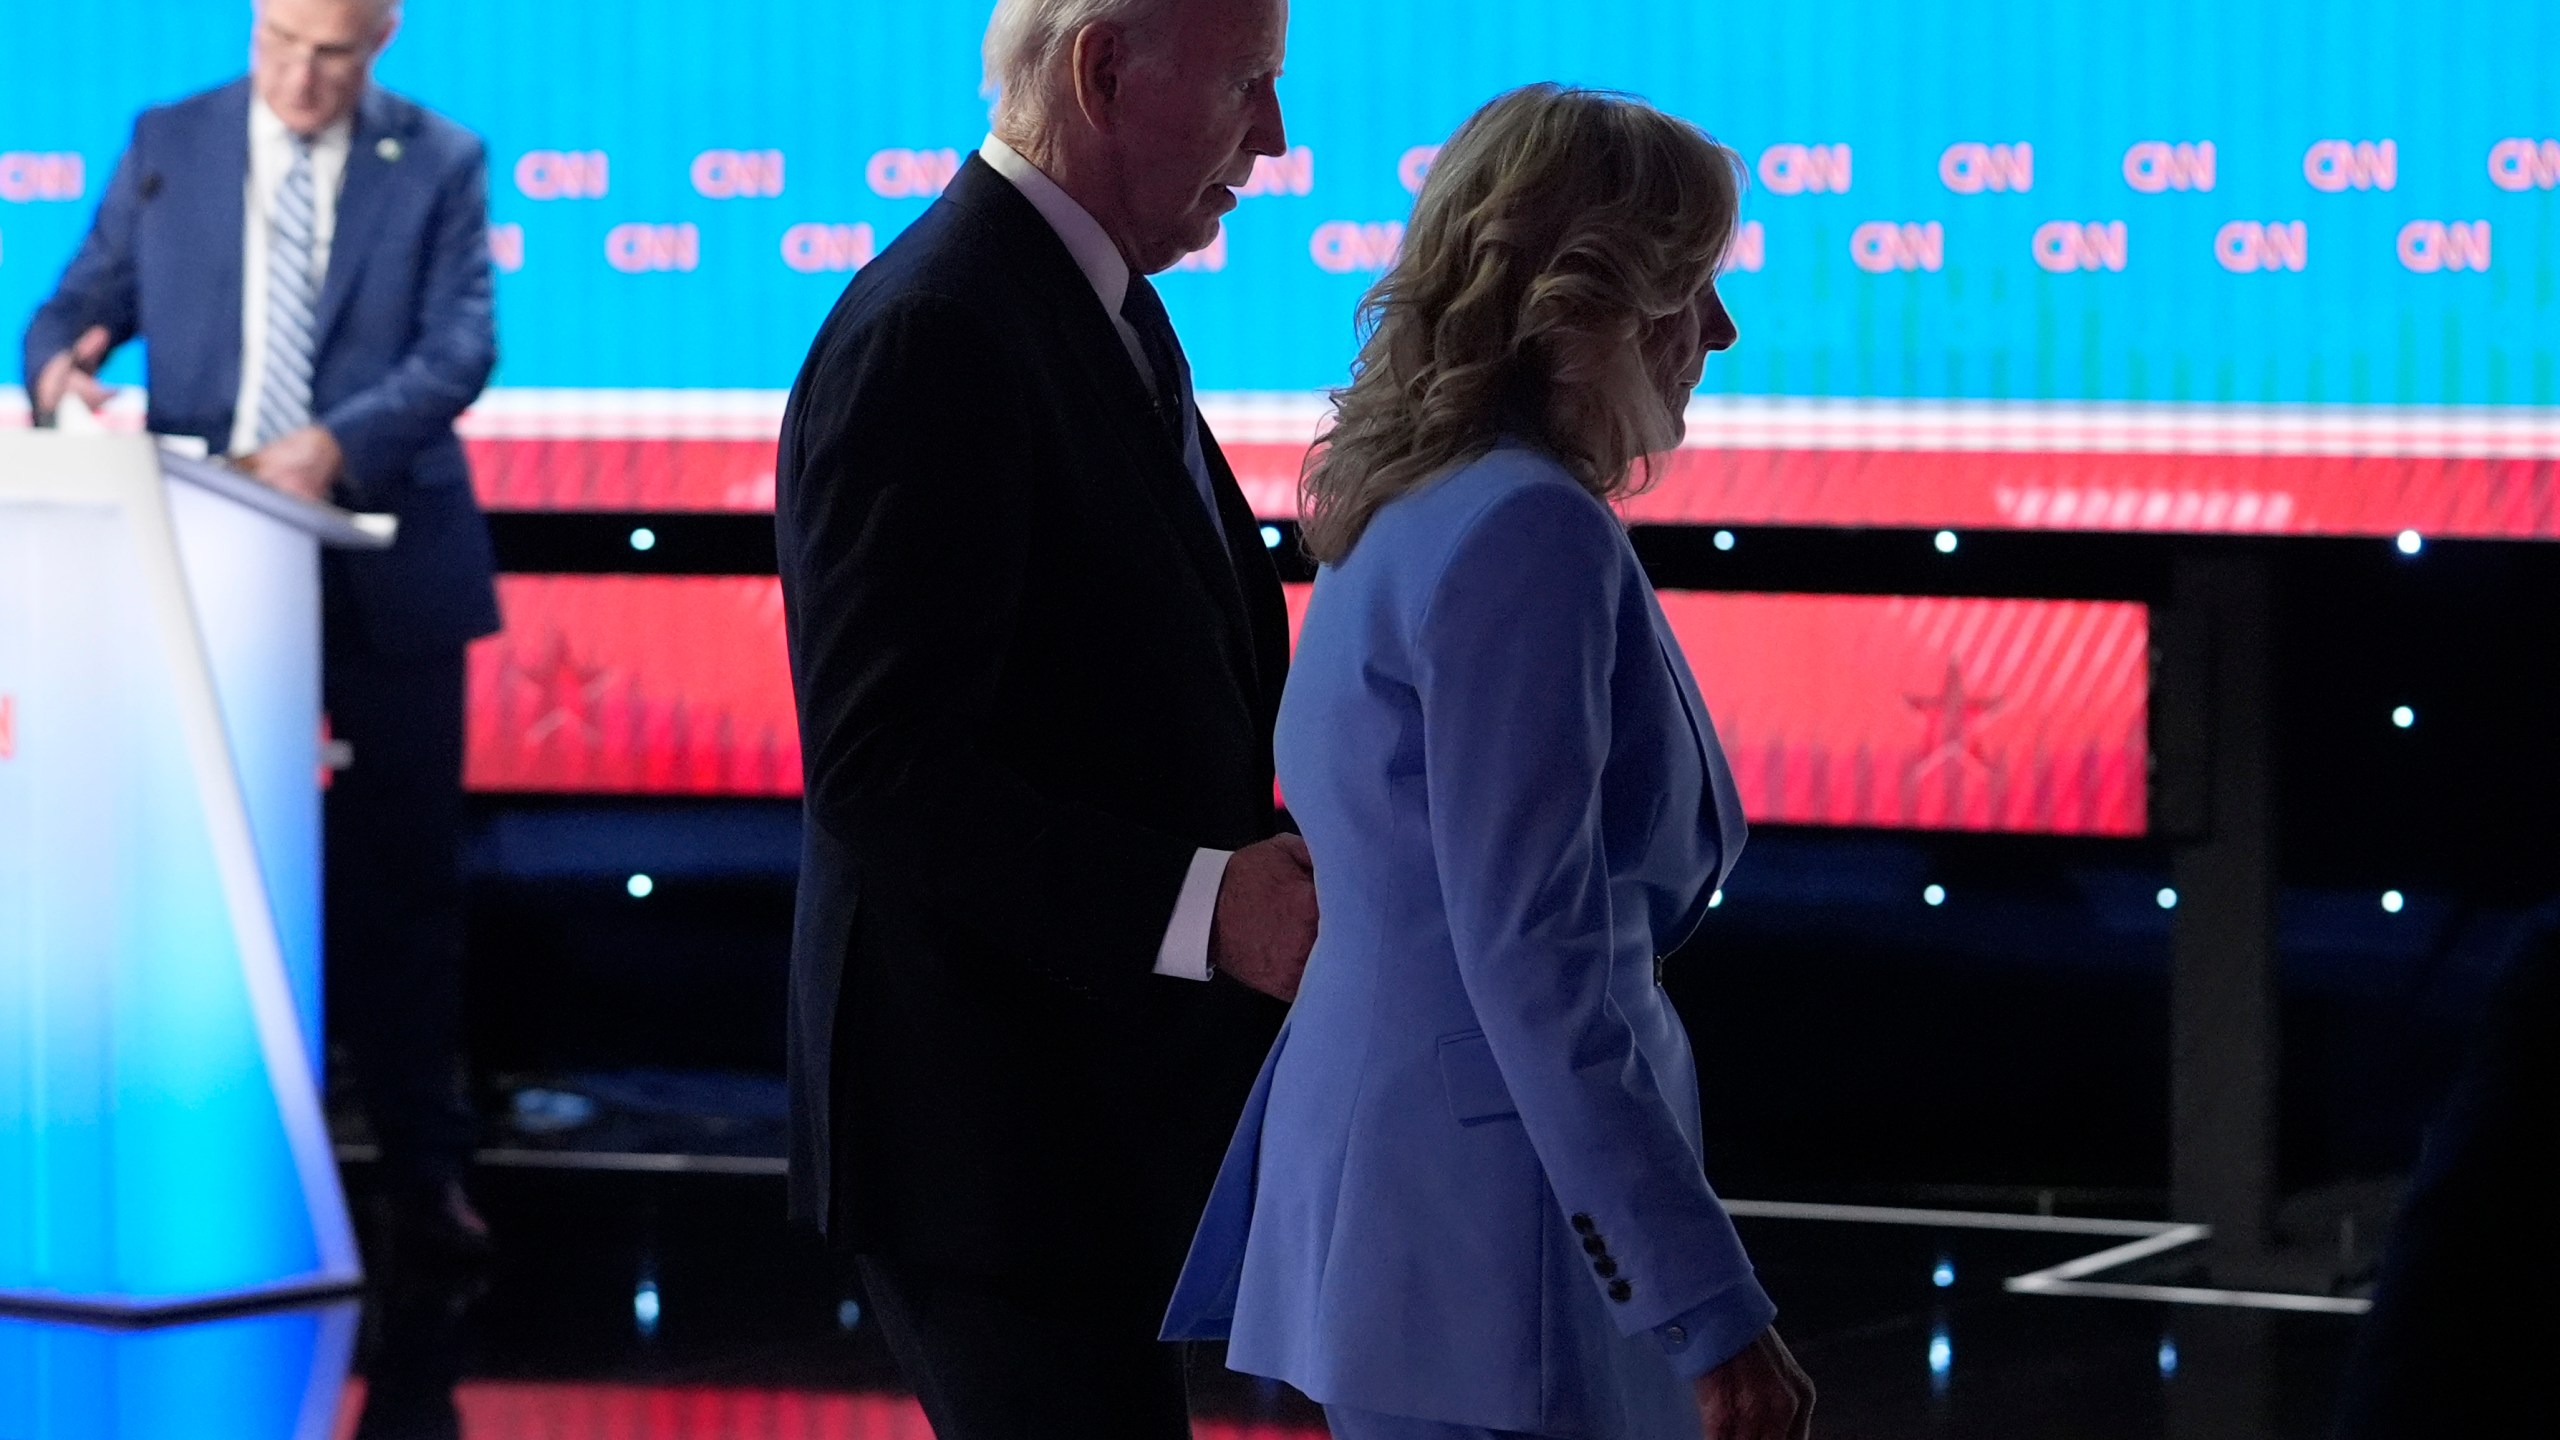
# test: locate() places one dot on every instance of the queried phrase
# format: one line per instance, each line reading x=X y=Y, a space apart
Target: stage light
x=644 y=1307
x=1716 y=900
x=2168 y=1357
x=644 y=538
x=2393 y=901
x=1942 y=1355
x=1944 y=1277
x=1724 y=539
x=1946 y=542
x=1270 y=537
x=2411 y=542
x=2168 y=898
x=2403 y=716
x=639 y=886
x=849 y=1315
x=1935 y=895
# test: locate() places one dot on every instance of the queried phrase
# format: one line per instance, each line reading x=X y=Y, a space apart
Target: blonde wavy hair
x=1556 y=231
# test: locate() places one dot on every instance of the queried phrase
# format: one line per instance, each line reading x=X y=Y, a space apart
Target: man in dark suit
x=307 y=256
x=1038 y=646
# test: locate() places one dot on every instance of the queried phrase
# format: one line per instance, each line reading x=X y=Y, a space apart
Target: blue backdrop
x=2015 y=294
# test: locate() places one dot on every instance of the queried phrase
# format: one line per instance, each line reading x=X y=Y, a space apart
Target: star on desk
x=569 y=691
x=1953 y=713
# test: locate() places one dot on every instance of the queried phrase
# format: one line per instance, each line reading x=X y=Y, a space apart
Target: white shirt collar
x=1085 y=238
x=267 y=129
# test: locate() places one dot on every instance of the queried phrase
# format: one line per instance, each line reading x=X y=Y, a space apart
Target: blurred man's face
x=310 y=59
x=1192 y=118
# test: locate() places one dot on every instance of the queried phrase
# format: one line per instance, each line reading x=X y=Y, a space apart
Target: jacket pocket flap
x=1476 y=1091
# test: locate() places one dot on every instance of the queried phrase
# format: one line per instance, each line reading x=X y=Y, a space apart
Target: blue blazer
x=407 y=336
x=1468 y=1185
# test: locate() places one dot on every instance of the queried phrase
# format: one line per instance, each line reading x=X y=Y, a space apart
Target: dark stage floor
x=680 y=1307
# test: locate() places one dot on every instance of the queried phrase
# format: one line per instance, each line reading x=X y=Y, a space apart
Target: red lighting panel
x=622 y=684
x=2025 y=716
x=612 y=473
x=2008 y=715
x=2197 y=469
x=538 y=1410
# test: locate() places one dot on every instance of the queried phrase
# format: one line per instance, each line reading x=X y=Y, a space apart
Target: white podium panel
x=161 y=1141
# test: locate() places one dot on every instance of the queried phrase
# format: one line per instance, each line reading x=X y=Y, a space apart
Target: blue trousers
x=1349 y=1424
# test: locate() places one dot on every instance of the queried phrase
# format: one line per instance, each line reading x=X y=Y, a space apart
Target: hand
x=1266 y=918
x=75 y=372
x=1759 y=1394
x=305 y=462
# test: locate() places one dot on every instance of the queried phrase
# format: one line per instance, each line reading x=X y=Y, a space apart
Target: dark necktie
x=1144 y=310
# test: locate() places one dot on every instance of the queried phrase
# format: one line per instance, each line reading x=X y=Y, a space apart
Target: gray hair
x=383 y=11
x=1028 y=39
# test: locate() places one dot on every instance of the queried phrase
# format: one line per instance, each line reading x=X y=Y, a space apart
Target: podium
x=162 y=1146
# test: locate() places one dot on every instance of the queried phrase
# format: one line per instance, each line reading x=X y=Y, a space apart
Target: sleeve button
x=1606 y=1266
x=1621 y=1291
x=1677 y=1335
x=1582 y=1224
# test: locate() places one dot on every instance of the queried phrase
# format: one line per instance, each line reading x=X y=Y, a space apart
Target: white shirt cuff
x=1185 y=951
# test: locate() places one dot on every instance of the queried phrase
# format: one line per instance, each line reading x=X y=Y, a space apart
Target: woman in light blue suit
x=1467 y=1195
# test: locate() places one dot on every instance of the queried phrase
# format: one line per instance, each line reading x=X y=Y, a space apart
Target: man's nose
x=1269 y=135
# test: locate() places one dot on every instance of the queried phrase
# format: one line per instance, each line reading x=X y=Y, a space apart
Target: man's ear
x=1100 y=55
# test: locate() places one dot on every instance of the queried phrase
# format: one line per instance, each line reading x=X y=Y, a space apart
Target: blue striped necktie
x=284 y=386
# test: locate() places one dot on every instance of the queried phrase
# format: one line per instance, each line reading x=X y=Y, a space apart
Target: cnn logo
x=738 y=174
x=2337 y=165
x=564 y=175
x=1970 y=168
x=1340 y=247
x=2246 y=247
x=2155 y=166
x=1290 y=174
x=911 y=174
x=2065 y=246
x=1415 y=167
x=26 y=176
x=815 y=249
x=639 y=249
x=2521 y=164
x=1801 y=169
x=506 y=248
x=1881 y=246
x=2430 y=246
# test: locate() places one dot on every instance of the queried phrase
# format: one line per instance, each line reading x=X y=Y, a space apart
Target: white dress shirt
x=270 y=157
x=1185 y=950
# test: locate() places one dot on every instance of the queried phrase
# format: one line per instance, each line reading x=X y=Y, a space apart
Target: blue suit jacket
x=1468 y=1185
x=406 y=331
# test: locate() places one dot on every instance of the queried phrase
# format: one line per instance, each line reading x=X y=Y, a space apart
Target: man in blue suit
x=307 y=256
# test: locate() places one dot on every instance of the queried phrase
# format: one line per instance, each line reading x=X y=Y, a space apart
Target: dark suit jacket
x=406 y=335
x=1031 y=680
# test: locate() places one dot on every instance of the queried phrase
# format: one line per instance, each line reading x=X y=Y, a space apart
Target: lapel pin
x=388 y=149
